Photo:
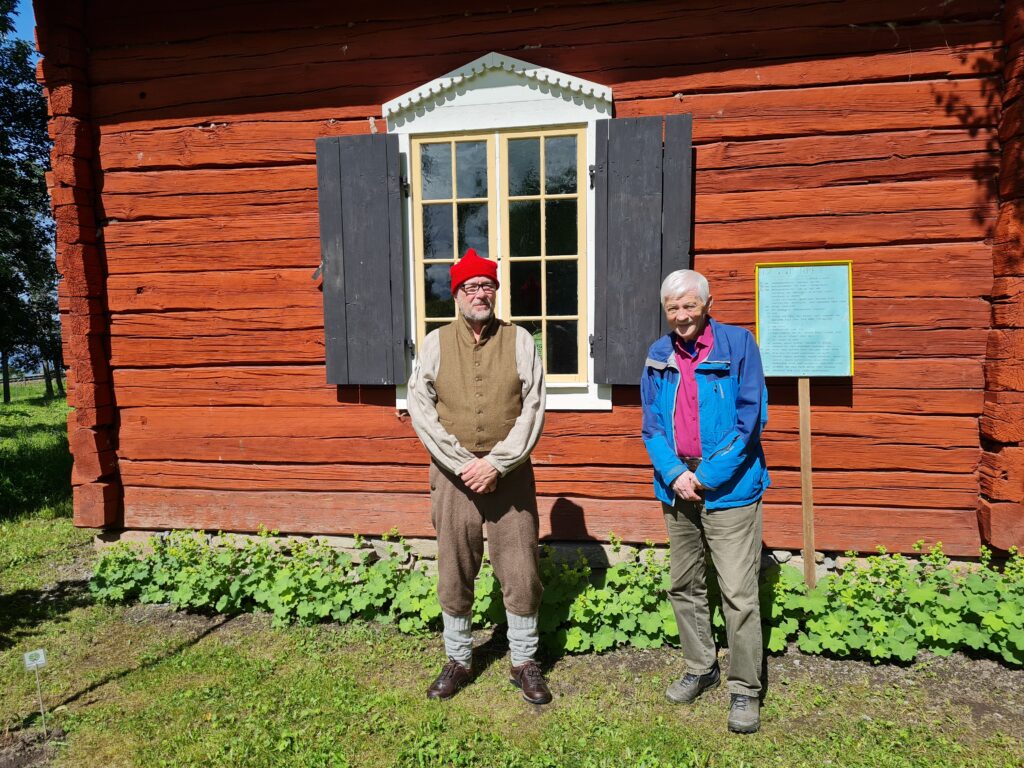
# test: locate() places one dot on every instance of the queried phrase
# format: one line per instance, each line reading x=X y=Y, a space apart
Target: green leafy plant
x=888 y=609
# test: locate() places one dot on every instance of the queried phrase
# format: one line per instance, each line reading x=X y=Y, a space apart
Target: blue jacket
x=733 y=403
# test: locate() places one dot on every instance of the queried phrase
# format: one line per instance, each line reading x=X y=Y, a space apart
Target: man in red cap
x=476 y=398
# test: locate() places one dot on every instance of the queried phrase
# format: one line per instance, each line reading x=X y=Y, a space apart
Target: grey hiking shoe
x=744 y=713
x=690 y=686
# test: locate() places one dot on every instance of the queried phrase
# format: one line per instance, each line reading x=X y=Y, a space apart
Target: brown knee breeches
x=510 y=513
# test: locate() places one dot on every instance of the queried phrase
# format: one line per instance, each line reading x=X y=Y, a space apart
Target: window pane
x=524 y=291
x=562 y=347
x=523 y=167
x=436 y=171
x=560 y=165
x=471 y=168
x=560 y=227
x=524 y=228
x=561 y=288
x=437 y=289
x=473 y=228
x=437 y=231
x=534 y=328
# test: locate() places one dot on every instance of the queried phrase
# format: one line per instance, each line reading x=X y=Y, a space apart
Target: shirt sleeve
x=421 y=400
x=521 y=439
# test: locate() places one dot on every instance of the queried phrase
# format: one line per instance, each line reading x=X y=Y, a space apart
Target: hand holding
x=480 y=476
x=686 y=486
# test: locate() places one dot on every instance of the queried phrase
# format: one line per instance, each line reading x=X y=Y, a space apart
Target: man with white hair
x=704 y=407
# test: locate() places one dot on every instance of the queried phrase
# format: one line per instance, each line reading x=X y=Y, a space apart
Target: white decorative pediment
x=497 y=91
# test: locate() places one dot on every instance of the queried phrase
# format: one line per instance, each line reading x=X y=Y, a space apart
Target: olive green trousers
x=734 y=538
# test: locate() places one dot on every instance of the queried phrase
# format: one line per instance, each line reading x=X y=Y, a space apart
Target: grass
x=144 y=686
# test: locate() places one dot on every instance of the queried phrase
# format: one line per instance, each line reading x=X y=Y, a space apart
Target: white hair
x=684 y=281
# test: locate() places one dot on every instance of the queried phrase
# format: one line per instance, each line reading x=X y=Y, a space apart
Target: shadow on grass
x=150 y=660
x=23 y=610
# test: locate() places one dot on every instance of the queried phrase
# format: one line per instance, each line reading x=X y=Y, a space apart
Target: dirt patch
x=28 y=749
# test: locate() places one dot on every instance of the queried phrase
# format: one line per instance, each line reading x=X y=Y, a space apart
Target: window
x=519 y=197
x=583 y=213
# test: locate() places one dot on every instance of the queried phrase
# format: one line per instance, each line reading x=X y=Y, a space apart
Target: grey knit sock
x=458 y=638
x=523 y=637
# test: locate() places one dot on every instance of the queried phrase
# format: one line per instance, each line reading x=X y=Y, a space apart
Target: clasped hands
x=687 y=486
x=480 y=476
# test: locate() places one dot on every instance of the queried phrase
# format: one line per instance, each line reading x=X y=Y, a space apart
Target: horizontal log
x=214 y=229
x=827 y=231
x=221 y=143
x=842 y=200
x=200 y=257
x=292 y=189
x=1001 y=473
x=897 y=489
x=949 y=381
x=1002 y=524
x=371 y=434
x=836 y=150
x=924 y=63
x=561 y=518
x=981 y=166
x=968 y=104
x=279 y=289
x=624 y=421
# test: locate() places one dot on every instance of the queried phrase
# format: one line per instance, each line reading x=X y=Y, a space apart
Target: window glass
x=530 y=222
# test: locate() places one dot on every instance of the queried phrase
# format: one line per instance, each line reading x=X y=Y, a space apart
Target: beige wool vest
x=479 y=394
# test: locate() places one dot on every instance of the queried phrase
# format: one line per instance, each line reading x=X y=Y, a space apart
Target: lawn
x=144 y=686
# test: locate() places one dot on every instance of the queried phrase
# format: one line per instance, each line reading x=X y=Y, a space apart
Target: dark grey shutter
x=643 y=184
x=359 y=189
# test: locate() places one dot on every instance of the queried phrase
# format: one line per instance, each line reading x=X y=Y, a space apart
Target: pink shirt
x=687 y=416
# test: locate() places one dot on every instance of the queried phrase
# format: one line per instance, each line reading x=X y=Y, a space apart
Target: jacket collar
x=662 y=352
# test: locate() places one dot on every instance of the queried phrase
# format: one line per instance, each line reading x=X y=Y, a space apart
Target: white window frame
x=495 y=93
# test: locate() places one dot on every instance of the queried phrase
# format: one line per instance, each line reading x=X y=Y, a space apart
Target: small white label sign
x=35 y=659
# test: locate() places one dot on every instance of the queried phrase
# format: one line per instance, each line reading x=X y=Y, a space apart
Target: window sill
x=561 y=397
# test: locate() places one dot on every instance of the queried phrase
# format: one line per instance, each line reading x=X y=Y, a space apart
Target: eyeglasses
x=472 y=288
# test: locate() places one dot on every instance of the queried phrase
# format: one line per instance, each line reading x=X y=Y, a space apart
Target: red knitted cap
x=471 y=265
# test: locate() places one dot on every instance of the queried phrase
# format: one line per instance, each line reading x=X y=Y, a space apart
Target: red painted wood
x=860 y=528
x=1002 y=524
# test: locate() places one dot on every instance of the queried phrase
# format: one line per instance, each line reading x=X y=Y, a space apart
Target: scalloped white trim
x=491 y=61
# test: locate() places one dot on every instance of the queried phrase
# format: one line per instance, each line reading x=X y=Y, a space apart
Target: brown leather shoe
x=530 y=679
x=452 y=679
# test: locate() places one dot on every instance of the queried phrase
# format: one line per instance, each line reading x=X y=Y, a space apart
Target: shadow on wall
x=980 y=119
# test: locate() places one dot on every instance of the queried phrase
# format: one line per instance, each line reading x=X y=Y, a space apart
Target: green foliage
x=889 y=609
x=894 y=607
x=35 y=465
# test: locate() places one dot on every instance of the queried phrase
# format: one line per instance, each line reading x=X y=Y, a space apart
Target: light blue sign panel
x=805 y=319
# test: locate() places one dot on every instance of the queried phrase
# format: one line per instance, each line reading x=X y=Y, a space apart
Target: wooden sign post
x=805 y=329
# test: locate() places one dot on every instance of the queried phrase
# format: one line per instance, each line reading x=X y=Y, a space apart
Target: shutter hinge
x=404 y=183
x=411 y=346
x=593 y=173
x=591 y=337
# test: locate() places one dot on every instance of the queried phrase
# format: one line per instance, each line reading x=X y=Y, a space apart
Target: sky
x=24 y=21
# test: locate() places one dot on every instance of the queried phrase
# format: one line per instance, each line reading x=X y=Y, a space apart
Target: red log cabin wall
x=863 y=131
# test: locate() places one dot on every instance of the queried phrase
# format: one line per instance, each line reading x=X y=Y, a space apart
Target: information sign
x=35 y=659
x=805 y=318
